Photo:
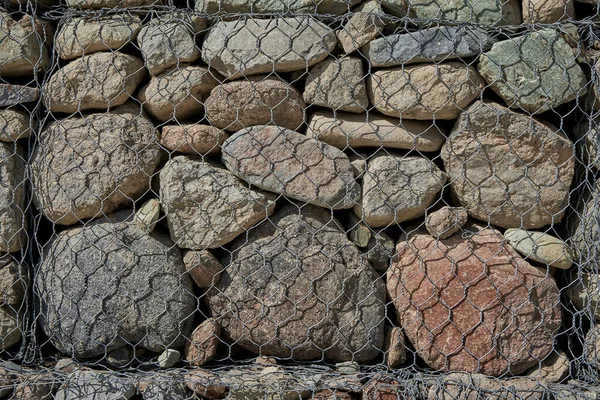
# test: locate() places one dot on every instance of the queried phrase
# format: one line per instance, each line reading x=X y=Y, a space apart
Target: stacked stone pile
x=401 y=184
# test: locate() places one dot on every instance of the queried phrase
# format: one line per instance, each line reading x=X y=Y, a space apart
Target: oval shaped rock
x=344 y=130
x=257 y=100
x=203 y=344
x=193 y=139
x=178 y=93
x=13 y=209
x=446 y=221
x=206 y=206
x=99 y=80
x=507 y=168
x=397 y=189
x=92 y=277
x=330 y=304
x=485 y=12
x=425 y=91
x=257 y=46
x=473 y=304
x=540 y=247
x=285 y=162
x=86 y=167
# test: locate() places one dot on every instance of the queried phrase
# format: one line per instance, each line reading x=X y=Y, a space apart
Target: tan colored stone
x=358 y=162
x=425 y=91
x=203 y=267
x=147 y=215
x=206 y=384
x=507 y=168
x=364 y=25
x=194 y=139
x=446 y=221
x=257 y=100
x=15 y=124
x=203 y=343
x=554 y=369
x=338 y=84
x=22 y=52
x=36 y=386
x=540 y=247
x=13 y=210
x=96 y=81
x=329 y=394
x=80 y=36
x=394 y=347
x=547 y=11
x=344 y=130
x=178 y=94
x=14 y=282
x=464 y=386
x=584 y=293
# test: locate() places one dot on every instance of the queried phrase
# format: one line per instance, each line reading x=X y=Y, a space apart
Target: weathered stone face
x=232 y=47
x=507 y=168
x=285 y=162
x=193 y=139
x=12 y=198
x=504 y=314
x=91 y=277
x=97 y=4
x=540 y=247
x=203 y=343
x=92 y=385
x=15 y=124
x=365 y=25
x=330 y=304
x=14 y=287
x=487 y=12
x=22 y=52
x=446 y=221
x=583 y=228
x=269 y=6
x=584 y=292
x=547 y=11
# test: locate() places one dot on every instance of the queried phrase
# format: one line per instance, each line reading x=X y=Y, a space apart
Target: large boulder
x=330 y=304
x=256 y=100
x=12 y=198
x=254 y=46
x=289 y=163
x=507 y=168
x=109 y=283
x=472 y=303
x=206 y=206
x=86 y=167
x=269 y=6
x=534 y=72
x=22 y=51
x=95 y=81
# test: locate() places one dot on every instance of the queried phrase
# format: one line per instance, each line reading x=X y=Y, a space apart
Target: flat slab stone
x=11 y=95
x=540 y=247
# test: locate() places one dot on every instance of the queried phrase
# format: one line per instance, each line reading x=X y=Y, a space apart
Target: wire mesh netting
x=332 y=199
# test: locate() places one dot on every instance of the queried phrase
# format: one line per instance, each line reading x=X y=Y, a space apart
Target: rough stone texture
x=22 y=51
x=286 y=162
x=458 y=385
x=193 y=139
x=358 y=162
x=591 y=347
x=364 y=25
x=147 y=215
x=553 y=369
x=79 y=36
x=97 y=4
x=15 y=124
x=257 y=100
x=547 y=11
x=425 y=91
x=584 y=293
x=397 y=189
x=12 y=198
x=14 y=283
x=338 y=84
x=164 y=386
x=399 y=8
x=96 y=81
x=36 y=386
x=92 y=385
x=588 y=141
x=178 y=93
x=446 y=221
x=329 y=394
x=583 y=227
x=427 y=45
x=534 y=72
x=232 y=48
x=505 y=312
x=164 y=45
x=203 y=344
x=507 y=168
x=87 y=167
x=377 y=246
x=394 y=347
x=270 y=6
x=11 y=95
x=206 y=206
x=205 y=384
x=331 y=303
x=90 y=279
x=486 y=12
x=203 y=267
x=540 y=247
x=382 y=387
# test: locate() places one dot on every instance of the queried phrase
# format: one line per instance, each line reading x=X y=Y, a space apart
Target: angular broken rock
x=256 y=100
x=377 y=246
x=15 y=124
x=285 y=162
x=80 y=36
x=87 y=167
x=547 y=11
x=446 y=221
x=22 y=51
x=203 y=267
x=394 y=347
x=427 y=45
x=90 y=279
x=203 y=343
x=206 y=206
x=485 y=12
x=95 y=81
x=508 y=169
x=11 y=95
x=14 y=285
x=281 y=6
x=397 y=189
x=584 y=293
x=363 y=26
x=168 y=358
x=12 y=197
x=331 y=304
x=473 y=304
x=193 y=139
x=254 y=46
x=425 y=91
x=147 y=215
x=178 y=93
x=338 y=84
x=166 y=44
x=92 y=385
x=540 y=247
x=534 y=72
x=344 y=130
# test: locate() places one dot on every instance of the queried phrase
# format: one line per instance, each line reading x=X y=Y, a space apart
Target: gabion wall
x=330 y=199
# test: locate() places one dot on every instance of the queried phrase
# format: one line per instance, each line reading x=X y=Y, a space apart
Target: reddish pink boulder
x=473 y=304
